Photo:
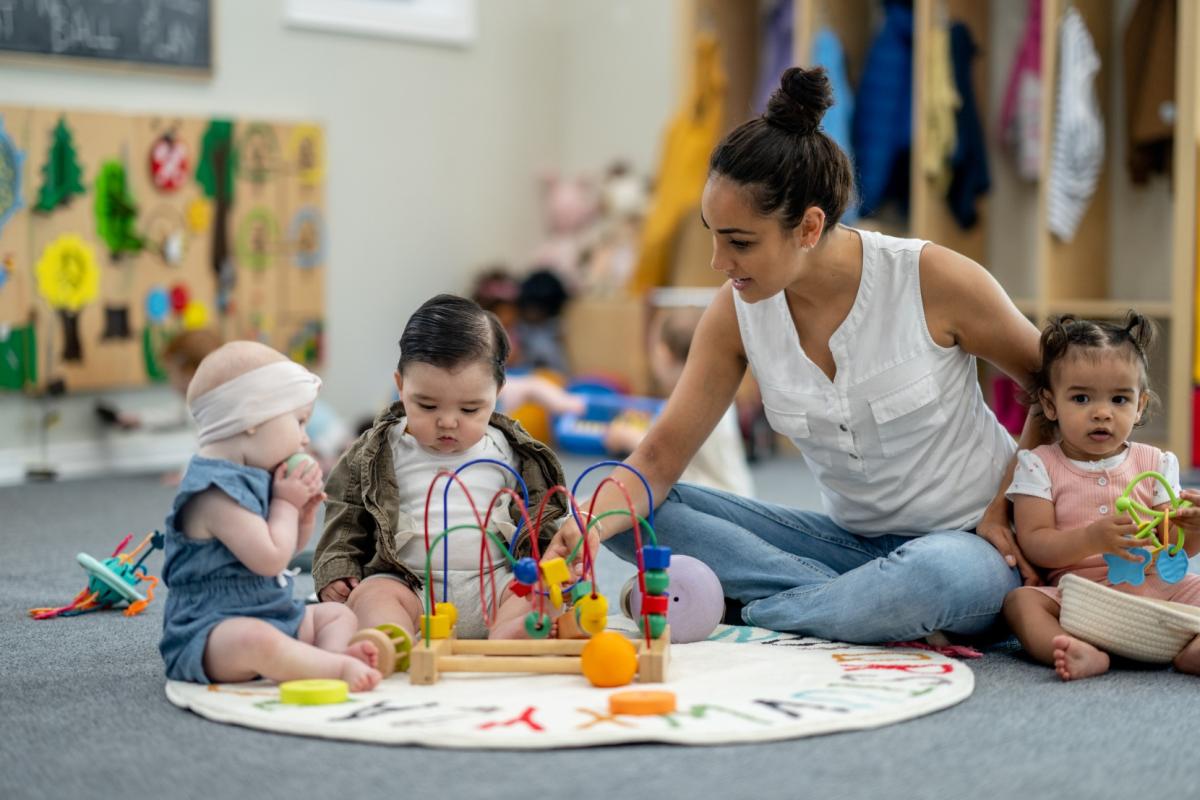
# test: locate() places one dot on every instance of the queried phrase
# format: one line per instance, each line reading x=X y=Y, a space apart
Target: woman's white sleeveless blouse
x=901 y=441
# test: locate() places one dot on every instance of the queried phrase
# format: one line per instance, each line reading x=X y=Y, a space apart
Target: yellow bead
x=555 y=571
x=436 y=626
x=593 y=623
x=449 y=610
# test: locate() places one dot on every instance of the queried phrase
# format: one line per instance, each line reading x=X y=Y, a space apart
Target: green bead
x=1122 y=504
x=658 y=622
x=657 y=581
x=580 y=589
x=537 y=625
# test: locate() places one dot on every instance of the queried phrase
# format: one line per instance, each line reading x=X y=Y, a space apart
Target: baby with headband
x=372 y=555
x=240 y=515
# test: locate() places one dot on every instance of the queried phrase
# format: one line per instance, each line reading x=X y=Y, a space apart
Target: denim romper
x=206 y=582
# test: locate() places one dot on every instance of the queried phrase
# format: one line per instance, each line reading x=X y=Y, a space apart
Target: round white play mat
x=742 y=685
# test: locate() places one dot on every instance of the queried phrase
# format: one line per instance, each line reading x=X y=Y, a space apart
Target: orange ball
x=609 y=659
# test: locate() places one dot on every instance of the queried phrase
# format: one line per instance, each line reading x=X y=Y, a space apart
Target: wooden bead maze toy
x=605 y=658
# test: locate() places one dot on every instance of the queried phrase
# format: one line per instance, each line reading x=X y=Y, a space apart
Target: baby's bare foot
x=364 y=651
x=1188 y=659
x=359 y=676
x=1075 y=659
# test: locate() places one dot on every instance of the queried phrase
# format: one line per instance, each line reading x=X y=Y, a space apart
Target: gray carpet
x=84 y=713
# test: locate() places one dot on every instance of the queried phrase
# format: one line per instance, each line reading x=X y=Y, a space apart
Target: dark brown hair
x=1066 y=333
x=449 y=331
x=784 y=158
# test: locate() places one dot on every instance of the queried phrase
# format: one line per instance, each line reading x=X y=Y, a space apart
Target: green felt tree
x=214 y=173
x=116 y=211
x=61 y=175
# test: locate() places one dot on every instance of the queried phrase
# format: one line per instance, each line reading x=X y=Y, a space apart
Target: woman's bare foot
x=1188 y=659
x=1075 y=659
x=364 y=651
x=359 y=676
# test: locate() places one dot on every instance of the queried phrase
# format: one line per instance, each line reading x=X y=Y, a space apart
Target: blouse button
x=843 y=427
x=1103 y=481
x=1103 y=509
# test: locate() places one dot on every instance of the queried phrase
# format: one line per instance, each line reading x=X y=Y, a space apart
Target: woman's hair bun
x=801 y=100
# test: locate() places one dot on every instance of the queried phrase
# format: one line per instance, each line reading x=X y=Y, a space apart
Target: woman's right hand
x=1114 y=535
x=566 y=538
x=337 y=591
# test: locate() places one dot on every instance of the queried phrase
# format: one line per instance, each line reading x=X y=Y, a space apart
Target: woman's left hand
x=995 y=529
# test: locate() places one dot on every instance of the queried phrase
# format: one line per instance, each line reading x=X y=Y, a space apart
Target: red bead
x=655 y=604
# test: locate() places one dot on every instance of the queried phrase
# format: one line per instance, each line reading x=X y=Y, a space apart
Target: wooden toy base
x=557 y=656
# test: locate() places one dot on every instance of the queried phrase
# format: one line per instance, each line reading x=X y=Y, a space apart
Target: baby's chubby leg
x=1033 y=616
x=330 y=626
x=1188 y=659
x=242 y=649
x=383 y=600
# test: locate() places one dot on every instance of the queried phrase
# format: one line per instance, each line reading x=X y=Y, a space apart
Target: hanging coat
x=691 y=137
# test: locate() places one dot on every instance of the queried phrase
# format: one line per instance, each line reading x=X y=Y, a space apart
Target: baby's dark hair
x=1066 y=333
x=449 y=331
x=784 y=159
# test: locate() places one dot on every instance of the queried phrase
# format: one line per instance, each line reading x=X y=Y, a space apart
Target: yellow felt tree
x=68 y=279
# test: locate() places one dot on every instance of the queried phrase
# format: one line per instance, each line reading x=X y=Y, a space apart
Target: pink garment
x=1080 y=497
x=1187 y=591
x=1020 y=111
x=1007 y=405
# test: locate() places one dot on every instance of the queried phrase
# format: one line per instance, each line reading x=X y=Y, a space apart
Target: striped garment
x=1077 y=157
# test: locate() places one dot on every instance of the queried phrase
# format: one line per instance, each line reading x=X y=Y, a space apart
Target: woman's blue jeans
x=798 y=571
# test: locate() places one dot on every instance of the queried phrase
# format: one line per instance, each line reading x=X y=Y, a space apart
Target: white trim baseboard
x=118 y=454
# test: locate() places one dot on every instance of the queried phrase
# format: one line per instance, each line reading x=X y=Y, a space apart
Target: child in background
x=240 y=515
x=180 y=357
x=720 y=463
x=372 y=554
x=540 y=303
x=1092 y=389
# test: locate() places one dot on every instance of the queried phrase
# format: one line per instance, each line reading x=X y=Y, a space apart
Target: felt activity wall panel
x=176 y=289
x=18 y=345
x=305 y=244
x=85 y=248
x=255 y=231
x=130 y=229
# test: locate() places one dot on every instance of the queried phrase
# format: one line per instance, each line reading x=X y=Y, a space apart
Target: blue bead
x=656 y=557
x=526 y=571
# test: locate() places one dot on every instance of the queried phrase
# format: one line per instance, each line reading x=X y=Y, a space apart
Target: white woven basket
x=1135 y=627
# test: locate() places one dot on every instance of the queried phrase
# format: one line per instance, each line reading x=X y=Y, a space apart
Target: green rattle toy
x=1172 y=560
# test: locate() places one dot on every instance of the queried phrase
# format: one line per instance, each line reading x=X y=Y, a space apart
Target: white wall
x=619 y=86
x=432 y=156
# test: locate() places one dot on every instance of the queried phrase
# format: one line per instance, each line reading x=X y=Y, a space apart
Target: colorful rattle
x=111 y=582
x=1172 y=560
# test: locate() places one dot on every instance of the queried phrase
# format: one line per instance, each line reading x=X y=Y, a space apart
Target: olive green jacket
x=362 y=514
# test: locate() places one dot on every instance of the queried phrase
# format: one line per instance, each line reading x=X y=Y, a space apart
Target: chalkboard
x=165 y=33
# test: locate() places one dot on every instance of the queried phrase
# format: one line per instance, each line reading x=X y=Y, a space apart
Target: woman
x=864 y=348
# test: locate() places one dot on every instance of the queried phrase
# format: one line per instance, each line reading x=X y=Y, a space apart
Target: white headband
x=252 y=399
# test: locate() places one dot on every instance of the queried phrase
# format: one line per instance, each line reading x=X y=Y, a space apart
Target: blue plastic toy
x=112 y=581
x=583 y=434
